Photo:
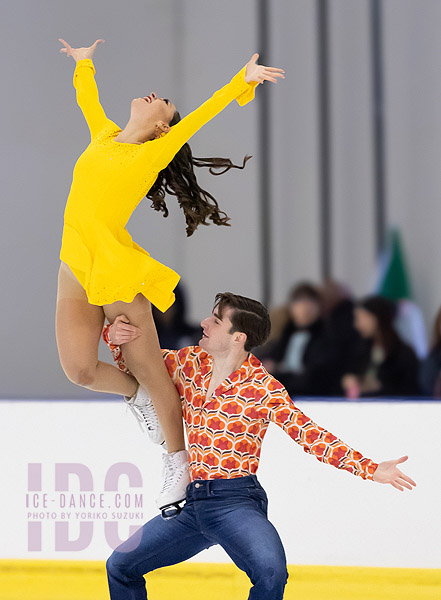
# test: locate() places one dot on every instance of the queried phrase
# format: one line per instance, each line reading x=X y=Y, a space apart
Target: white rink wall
x=324 y=516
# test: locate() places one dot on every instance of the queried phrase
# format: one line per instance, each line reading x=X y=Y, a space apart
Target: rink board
x=324 y=516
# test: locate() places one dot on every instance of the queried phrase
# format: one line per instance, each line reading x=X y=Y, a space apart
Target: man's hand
x=79 y=53
x=259 y=73
x=121 y=332
x=387 y=472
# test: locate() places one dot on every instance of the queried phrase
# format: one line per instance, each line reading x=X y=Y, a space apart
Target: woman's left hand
x=387 y=472
x=259 y=73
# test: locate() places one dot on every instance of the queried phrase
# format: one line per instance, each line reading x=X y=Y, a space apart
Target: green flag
x=394 y=280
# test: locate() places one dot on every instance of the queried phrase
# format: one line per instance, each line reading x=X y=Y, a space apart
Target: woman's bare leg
x=144 y=359
x=78 y=327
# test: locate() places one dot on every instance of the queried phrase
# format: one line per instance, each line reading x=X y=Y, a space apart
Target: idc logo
x=70 y=513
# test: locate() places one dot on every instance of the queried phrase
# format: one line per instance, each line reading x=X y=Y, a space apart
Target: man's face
x=216 y=337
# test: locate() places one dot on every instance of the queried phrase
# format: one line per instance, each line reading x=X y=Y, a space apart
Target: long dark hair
x=179 y=179
x=385 y=312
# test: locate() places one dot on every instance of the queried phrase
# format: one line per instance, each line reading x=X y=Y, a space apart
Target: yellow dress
x=109 y=180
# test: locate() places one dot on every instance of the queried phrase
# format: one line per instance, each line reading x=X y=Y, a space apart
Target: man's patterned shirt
x=225 y=432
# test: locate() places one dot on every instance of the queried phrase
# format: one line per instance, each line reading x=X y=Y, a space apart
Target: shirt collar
x=243 y=373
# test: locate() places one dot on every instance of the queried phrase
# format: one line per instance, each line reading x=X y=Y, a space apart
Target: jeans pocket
x=260 y=497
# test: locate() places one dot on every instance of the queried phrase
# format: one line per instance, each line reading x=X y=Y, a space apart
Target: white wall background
x=186 y=49
x=324 y=516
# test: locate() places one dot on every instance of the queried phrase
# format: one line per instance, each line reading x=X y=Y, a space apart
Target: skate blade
x=172 y=510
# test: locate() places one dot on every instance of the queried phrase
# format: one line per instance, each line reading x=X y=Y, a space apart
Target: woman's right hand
x=79 y=53
x=121 y=332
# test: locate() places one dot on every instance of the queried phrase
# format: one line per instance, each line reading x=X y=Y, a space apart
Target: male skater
x=228 y=401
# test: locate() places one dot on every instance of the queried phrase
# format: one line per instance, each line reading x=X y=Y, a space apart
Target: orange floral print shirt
x=225 y=432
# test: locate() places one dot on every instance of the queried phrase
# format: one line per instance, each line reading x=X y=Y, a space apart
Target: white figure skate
x=176 y=479
x=142 y=408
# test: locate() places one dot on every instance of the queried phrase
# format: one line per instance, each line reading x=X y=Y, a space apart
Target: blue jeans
x=229 y=512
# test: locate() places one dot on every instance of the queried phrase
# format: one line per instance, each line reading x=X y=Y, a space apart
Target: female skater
x=103 y=272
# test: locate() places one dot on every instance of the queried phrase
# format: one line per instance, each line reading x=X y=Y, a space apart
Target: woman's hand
x=387 y=472
x=259 y=73
x=79 y=53
x=121 y=332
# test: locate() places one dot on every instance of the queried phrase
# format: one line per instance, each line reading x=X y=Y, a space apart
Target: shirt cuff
x=245 y=91
x=370 y=470
x=106 y=334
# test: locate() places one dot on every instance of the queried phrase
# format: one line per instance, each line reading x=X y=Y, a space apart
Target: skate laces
x=145 y=415
x=170 y=472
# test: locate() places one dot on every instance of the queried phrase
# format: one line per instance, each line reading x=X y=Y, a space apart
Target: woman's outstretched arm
x=85 y=85
x=240 y=88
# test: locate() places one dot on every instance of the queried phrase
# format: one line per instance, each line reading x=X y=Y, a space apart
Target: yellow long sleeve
x=237 y=89
x=87 y=96
x=109 y=181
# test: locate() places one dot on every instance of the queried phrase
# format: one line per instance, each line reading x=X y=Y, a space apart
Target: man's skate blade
x=171 y=510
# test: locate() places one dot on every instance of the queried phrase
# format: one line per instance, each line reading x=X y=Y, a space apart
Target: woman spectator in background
x=430 y=372
x=301 y=358
x=338 y=311
x=383 y=364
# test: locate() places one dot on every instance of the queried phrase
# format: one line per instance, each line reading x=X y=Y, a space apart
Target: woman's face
x=365 y=322
x=149 y=110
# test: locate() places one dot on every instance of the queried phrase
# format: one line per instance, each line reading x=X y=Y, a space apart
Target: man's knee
x=116 y=566
x=273 y=574
x=122 y=567
x=111 y=564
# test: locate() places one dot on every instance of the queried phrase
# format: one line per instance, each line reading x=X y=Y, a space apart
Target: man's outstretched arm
x=326 y=447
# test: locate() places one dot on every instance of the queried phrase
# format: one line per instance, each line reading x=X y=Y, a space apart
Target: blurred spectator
x=383 y=365
x=437 y=390
x=173 y=330
x=301 y=358
x=338 y=309
x=409 y=324
x=430 y=372
x=279 y=318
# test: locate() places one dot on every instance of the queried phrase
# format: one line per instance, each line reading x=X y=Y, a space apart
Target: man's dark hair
x=249 y=317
